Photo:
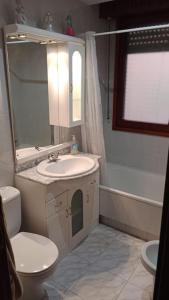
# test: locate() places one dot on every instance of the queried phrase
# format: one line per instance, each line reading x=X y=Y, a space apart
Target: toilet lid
x=33 y=253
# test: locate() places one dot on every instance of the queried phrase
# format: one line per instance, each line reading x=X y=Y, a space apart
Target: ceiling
x=90 y=2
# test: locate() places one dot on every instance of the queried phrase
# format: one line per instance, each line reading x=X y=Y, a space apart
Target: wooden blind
x=148 y=41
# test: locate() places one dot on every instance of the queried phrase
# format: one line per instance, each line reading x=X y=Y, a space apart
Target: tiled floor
x=106 y=266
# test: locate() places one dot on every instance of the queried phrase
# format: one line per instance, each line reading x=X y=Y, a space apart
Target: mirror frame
x=8 y=91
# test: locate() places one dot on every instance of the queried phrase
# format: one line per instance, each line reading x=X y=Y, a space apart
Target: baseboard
x=146 y=236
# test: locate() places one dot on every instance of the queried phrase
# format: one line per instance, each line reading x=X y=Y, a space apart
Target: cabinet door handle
x=88 y=199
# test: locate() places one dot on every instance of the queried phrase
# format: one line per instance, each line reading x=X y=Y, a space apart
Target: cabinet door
x=89 y=206
x=57 y=227
x=94 y=194
x=66 y=64
x=77 y=215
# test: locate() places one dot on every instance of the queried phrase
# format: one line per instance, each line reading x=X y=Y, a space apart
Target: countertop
x=33 y=175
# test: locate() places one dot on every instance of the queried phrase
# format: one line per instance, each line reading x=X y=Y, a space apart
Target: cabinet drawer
x=56 y=204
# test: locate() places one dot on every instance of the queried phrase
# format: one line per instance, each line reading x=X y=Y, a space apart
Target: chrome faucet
x=52 y=157
x=37 y=148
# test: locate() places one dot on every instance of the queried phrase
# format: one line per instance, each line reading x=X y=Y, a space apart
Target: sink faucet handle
x=57 y=154
x=37 y=147
x=53 y=156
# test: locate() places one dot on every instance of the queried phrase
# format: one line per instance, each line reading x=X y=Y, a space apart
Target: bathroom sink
x=66 y=166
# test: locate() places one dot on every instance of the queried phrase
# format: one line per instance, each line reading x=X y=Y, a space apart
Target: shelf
x=37 y=35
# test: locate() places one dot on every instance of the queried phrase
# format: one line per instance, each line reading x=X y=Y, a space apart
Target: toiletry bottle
x=74 y=146
x=69 y=28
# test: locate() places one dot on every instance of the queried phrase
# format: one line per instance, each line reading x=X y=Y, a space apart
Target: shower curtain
x=92 y=130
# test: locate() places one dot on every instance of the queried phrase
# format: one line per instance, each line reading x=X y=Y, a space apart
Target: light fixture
x=52 y=42
x=22 y=36
x=12 y=37
x=43 y=43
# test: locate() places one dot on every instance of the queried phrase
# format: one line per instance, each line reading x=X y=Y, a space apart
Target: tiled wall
x=140 y=151
x=143 y=152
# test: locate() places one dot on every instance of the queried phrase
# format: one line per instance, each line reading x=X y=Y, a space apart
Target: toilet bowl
x=35 y=256
x=149 y=256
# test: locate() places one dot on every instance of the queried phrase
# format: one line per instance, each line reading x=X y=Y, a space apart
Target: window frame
x=118 y=122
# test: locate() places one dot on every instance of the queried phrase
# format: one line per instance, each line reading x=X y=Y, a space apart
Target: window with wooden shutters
x=141 y=93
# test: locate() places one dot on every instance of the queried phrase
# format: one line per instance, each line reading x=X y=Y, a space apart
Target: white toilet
x=149 y=255
x=36 y=256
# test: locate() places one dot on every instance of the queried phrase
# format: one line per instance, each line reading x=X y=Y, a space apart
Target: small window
x=141 y=98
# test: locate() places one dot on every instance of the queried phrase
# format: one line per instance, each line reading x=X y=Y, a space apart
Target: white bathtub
x=131 y=200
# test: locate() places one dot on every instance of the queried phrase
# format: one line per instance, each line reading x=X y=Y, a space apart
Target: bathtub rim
x=131 y=196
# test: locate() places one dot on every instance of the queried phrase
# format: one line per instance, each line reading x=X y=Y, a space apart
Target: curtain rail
x=132 y=30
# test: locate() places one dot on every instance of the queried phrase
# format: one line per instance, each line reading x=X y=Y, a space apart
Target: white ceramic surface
x=39 y=252
x=134 y=181
x=8 y=193
x=149 y=255
x=35 y=255
x=12 y=209
x=66 y=166
x=131 y=213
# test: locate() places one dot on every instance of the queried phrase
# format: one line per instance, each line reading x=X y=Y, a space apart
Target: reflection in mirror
x=29 y=93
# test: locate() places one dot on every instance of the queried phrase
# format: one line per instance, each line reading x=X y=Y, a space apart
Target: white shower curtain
x=92 y=130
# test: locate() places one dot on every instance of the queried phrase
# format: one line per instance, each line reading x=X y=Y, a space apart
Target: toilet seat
x=34 y=254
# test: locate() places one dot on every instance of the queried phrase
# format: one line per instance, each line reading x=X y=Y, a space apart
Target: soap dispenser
x=74 y=146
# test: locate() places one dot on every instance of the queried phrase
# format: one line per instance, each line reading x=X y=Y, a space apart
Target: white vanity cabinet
x=64 y=211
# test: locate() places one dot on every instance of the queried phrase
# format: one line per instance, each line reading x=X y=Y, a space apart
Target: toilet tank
x=11 y=200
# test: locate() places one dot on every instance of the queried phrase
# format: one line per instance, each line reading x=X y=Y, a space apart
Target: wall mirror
x=29 y=88
x=29 y=94
x=34 y=80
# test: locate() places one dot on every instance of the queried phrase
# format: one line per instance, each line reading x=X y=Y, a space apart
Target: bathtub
x=131 y=200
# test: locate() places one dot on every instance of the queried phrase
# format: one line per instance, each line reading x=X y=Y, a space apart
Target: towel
x=16 y=286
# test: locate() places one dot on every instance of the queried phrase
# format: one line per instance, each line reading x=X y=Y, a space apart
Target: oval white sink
x=66 y=166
